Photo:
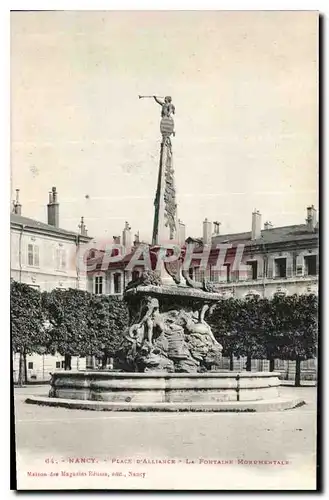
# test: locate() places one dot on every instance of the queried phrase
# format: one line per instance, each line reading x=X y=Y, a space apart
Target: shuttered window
x=60 y=259
x=33 y=255
x=300 y=265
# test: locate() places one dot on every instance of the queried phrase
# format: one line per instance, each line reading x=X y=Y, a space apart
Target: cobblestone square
x=275 y=450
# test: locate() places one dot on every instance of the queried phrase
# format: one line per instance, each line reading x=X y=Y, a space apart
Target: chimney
x=268 y=225
x=216 y=228
x=136 y=240
x=53 y=208
x=116 y=240
x=17 y=209
x=206 y=232
x=82 y=227
x=311 y=218
x=181 y=232
x=126 y=236
x=256 y=225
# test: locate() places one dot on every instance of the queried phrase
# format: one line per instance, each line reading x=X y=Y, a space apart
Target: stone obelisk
x=165 y=228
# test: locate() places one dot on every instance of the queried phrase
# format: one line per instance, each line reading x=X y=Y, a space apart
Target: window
x=63 y=364
x=253 y=266
x=30 y=365
x=280 y=268
x=98 y=285
x=117 y=282
x=135 y=275
x=33 y=255
x=310 y=265
x=228 y=272
x=199 y=274
x=60 y=259
x=214 y=275
x=58 y=364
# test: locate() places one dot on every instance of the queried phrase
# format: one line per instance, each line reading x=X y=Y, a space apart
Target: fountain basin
x=212 y=391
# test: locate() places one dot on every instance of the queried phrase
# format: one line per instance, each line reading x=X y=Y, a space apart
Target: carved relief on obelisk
x=165 y=206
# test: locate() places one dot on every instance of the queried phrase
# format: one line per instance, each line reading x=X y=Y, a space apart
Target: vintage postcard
x=164 y=249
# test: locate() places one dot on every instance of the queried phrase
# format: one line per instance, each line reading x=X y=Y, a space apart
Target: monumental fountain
x=169 y=357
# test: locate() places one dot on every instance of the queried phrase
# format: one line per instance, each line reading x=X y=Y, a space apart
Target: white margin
x=6 y=6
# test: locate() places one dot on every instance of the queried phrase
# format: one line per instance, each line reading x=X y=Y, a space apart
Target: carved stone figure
x=197 y=326
x=147 y=278
x=167 y=334
x=151 y=321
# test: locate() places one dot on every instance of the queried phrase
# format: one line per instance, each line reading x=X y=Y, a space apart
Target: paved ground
x=229 y=450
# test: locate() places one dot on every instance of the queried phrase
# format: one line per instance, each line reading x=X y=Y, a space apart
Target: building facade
x=44 y=256
x=262 y=262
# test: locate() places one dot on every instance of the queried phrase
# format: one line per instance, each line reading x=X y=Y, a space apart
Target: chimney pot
x=136 y=240
x=126 y=237
x=256 y=225
x=82 y=227
x=216 y=227
x=206 y=232
x=54 y=195
x=181 y=232
x=53 y=208
x=268 y=225
x=311 y=219
x=17 y=207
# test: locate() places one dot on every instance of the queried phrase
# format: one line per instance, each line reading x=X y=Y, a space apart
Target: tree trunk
x=272 y=364
x=297 y=373
x=25 y=368
x=231 y=362
x=248 y=364
x=67 y=362
x=104 y=360
x=21 y=370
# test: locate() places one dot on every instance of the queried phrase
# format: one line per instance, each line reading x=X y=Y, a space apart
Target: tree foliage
x=107 y=320
x=28 y=333
x=281 y=327
x=67 y=312
x=295 y=322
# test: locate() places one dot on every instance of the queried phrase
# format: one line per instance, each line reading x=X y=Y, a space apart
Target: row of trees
x=68 y=322
x=76 y=323
x=278 y=328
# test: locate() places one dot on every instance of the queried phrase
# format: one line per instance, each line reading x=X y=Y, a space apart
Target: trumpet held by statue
x=150 y=96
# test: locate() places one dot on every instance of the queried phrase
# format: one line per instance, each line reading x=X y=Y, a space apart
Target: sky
x=245 y=88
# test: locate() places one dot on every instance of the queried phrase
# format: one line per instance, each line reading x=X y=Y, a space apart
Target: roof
x=43 y=227
x=273 y=235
